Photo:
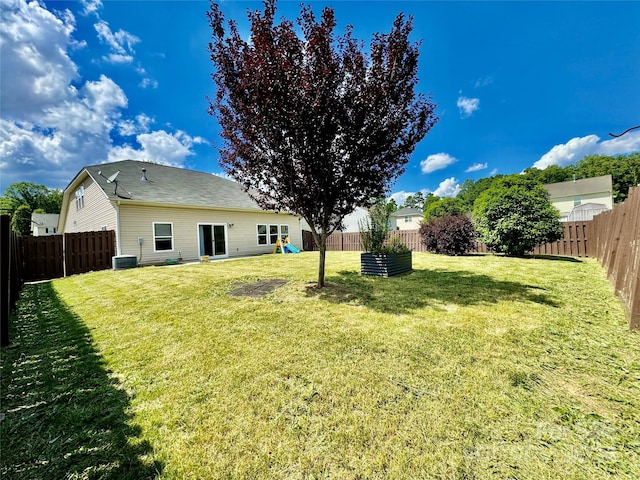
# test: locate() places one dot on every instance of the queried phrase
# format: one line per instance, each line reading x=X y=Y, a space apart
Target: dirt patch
x=257 y=289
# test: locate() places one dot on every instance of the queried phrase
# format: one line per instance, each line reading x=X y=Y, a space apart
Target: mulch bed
x=257 y=289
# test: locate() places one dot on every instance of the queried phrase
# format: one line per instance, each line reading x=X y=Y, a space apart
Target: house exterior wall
x=400 y=223
x=98 y=212
x=566 y=203
x=136 y=221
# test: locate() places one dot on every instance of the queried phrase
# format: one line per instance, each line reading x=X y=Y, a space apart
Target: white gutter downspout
x=118 y=243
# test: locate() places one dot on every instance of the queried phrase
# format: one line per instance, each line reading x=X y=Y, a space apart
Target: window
x=50 y=230
x=273 y=234
x=262 y=234
x=80 y=198
x=163 y=236
x=577 y=201
x=407 y=219
x=268 y=234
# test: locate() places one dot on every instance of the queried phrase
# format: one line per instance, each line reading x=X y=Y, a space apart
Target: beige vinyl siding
x=566 y=204
x=399 y=223
x=98 y=211
x=137 y=222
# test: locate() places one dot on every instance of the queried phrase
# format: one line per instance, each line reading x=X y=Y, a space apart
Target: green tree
x=391 y=206
x=22 y=198
x=444 y=207
x=428 y=200
x=551 y=174
x=514 y=215
x=21 y=220
x=414 y=201
x=624 y=170
x=471 y=190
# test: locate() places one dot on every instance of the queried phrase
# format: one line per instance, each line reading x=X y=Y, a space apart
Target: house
x=44 y=224
x=351 y=223
x=566 y=196
x=160 y=213
x=406 y=219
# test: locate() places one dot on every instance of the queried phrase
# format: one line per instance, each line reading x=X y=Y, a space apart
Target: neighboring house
x=406 y=219
x=43 y=224
x=597 y=191
x=160 y=212
x=353 y=220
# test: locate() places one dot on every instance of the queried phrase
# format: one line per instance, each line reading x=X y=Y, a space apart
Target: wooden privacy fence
x=9 y=277
x=614 y=239
x=574 y=241
x=43 y=258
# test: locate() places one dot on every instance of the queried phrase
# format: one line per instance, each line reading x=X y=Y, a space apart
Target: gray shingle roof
x=407 y=211
x=580 y=187
x=170 y=186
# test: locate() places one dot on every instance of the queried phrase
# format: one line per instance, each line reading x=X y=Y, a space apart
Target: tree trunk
x=323 y=253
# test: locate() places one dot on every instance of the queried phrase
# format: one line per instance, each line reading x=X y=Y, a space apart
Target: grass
x=469 y=367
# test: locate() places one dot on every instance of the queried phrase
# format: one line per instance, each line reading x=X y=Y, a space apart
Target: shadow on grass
x=64 y=417
x=422 y=288
x=557 y=258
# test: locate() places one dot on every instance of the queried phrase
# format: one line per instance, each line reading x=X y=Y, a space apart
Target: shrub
x=450 y=235
x=395 y=245
x=514 y=215
x=374 y=229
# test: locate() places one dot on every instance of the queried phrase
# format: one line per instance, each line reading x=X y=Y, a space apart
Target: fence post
x=64 y=255
x=5 y=256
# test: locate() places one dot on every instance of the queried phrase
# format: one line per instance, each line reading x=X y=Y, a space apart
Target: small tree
x=449 y=235
x=375 y=228
x=312 y=125
x=514 y=215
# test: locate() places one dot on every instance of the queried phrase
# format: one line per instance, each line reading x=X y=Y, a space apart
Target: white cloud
x=483 y=82
x=36 y=71
x=117 y=58
x=129 y=127
x=158 y=146
x=400 y=197
x=50 y=128
x=147 y=82
x=437 y=161
x=121 y=43
x=580 y=147
x=91 y=7
x=493 y=172
x=448 y=188
x=467 y=106
x=477 y=166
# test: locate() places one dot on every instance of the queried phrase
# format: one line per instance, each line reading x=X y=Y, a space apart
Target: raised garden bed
x=385 y=264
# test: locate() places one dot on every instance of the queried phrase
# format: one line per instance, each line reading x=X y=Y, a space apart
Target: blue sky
x=517 y=84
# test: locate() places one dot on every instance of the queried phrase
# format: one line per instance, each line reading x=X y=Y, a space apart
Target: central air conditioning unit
x=122 y=262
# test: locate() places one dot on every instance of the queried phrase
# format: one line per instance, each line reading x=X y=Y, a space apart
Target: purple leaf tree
x=312 y=124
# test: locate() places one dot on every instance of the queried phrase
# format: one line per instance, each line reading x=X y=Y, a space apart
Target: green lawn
x=472 y=367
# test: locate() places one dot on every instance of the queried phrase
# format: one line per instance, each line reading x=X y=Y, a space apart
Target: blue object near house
x=288 y=248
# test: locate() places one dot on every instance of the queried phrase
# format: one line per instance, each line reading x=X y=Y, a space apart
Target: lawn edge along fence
x=614 y=239
x=30 y=258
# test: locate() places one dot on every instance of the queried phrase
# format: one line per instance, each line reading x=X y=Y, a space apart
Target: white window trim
x=80 y=198
x=265 y=235
x=153 y=231
x=282 y=235
x=269 y=234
